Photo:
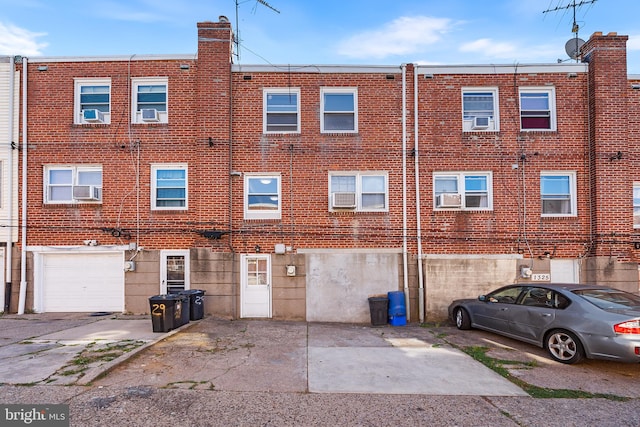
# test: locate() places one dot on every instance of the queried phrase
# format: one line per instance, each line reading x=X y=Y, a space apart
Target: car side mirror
x=482 y=298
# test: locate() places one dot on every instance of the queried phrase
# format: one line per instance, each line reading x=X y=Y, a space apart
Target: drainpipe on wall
x=6 y=292
x=416 y=158
x=23 y=260
x=404 y=190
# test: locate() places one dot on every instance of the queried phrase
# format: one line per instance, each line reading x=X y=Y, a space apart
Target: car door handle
x=545 y=315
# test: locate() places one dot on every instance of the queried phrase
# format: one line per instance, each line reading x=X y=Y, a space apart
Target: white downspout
x=9 y=247
x=405 y=264
x=416 y=159
x=23 y=260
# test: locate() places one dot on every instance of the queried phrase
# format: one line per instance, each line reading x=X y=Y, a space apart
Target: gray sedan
x=571 y=321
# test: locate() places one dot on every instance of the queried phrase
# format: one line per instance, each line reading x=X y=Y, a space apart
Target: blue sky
x=373 y=32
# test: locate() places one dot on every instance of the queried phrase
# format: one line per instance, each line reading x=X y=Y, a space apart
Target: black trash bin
x=196 y=303
x=186 y=303
x=166 y=312
x=378 y=307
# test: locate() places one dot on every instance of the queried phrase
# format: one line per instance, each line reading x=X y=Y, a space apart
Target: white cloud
x=491 y=48
x=18 y=41
x=401 y=36
x=634 y=42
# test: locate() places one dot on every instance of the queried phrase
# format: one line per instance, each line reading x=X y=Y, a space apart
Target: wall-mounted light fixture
x=185 y=66
x=257 y=249
x=43 y=67
x=572 y=75
x=635 y=86
x=428 y=76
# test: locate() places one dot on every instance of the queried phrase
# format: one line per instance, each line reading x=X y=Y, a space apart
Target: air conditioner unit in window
x=343 y=200
x=448 y=200
x=93 y=116
x=149 y=114
x=86 y=192
x=481 y=122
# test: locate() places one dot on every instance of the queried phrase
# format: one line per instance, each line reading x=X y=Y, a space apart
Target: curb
x=97 y=371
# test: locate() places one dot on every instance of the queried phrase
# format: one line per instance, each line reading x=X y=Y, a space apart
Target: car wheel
x=564 y=347
x=462 y=318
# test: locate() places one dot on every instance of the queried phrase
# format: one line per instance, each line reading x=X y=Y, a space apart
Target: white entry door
x=174 y=271
x=255 y=286
x=565 y=271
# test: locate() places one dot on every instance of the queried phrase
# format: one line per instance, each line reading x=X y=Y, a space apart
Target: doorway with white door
x=174 y=271
x=255 y=285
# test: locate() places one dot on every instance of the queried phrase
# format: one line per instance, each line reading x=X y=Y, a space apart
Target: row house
x=296 y=192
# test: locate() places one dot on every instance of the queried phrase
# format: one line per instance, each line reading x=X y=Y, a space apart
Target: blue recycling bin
x=397 y=308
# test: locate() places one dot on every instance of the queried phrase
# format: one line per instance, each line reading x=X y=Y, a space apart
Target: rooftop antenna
x=237 y=38
x=573 y=45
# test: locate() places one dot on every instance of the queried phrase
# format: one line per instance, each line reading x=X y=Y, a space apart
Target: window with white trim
x=480 y=109
x=262 y=196
x=150 y=100
x=359 y=191
x=92 y=101
x=537 y=109
x=169 y=187
x=72 y=184
x=636 y=205
x=281 y=110
x=558 y=193
x=463 y=190
x=338 y=110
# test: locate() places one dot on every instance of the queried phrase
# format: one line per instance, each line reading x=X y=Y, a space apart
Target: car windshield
x=609 y=298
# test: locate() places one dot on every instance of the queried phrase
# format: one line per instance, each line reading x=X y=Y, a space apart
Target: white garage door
x=83 y=282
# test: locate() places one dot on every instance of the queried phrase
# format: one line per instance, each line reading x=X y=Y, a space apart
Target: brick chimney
x=609 y=145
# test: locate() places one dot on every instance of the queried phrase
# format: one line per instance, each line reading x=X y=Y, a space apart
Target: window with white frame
x=558 y=193
x=537 y=109
x=480 y=109
x=92 y=101
x=169 y=187
x=636 y=205
x=463 y=190
x=281 y=110
x=359 y=191
x=72 y=184
x=338 y=110
x=262 y=196
x=150 y=100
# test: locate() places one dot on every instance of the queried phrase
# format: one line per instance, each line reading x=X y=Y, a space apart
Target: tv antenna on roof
x=237 y=37
x=572 y=47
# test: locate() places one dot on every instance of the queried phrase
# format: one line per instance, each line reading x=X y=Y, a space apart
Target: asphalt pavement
x=115 y=371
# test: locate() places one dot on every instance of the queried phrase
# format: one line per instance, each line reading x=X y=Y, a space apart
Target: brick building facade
x=295 y=192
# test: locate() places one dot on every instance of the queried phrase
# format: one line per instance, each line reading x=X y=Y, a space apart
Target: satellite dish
x=572 y=47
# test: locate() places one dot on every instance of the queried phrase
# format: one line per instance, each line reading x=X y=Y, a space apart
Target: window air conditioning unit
x=93 y=116
x=149 y=115
x=86 y=192
x=448 y=200
x=480 y=123
x=343 y=200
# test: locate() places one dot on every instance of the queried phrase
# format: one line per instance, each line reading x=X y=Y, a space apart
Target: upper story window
x=262 y=196
x=480 y=109
x=338 y=110
x=537 y=109
x=463 y=190
x=150 y=100
x=360 y=191
x=281 y=110
x=72 y=184
x=169 y=187
x=558 y=193
x=92 y=101
x=636 y=205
